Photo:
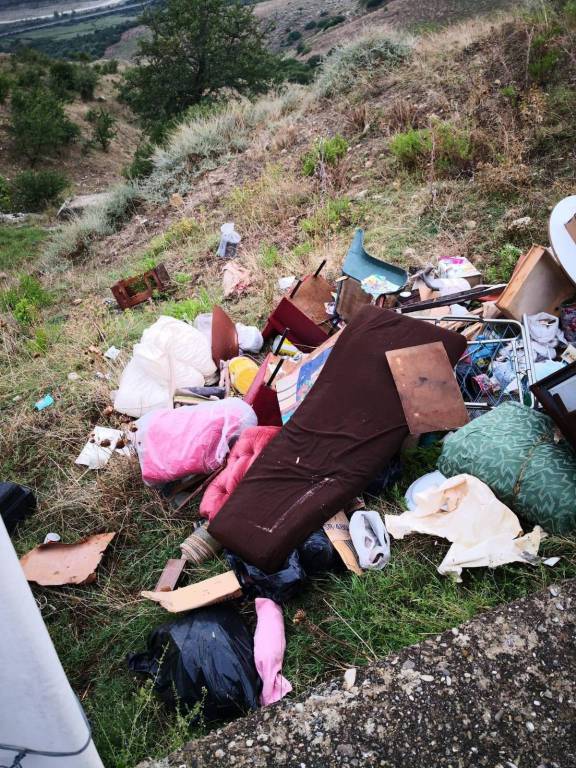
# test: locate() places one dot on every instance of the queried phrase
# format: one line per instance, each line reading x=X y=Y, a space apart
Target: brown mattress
x=346 y=430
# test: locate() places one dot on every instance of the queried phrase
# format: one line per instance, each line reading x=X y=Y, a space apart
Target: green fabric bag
x=512 y=450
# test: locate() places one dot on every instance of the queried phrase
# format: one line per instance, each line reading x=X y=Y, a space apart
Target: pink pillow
x=246 y=449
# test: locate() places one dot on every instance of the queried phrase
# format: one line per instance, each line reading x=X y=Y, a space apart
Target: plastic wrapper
x=207 y=656
x=194 y=439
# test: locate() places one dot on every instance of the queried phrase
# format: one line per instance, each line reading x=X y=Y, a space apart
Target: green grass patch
x=19 y=245
x=327 y=151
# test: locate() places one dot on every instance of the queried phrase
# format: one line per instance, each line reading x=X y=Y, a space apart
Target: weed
x=39 y=342
x=444 y=147
x=189 y=309
x=269 y=256
x=19 y=244
x=344 y=66
x=333 y=215
x=504 y=262
x=325 y=151
x=569 y=12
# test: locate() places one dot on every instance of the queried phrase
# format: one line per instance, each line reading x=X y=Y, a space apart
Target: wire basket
x=497 y=366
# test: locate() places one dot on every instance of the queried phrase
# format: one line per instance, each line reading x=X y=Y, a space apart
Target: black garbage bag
x=280 y=586
x=317 y=555
x=386 y=478
x=208 y=656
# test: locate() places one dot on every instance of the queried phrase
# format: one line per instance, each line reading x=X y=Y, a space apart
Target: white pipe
x=38 y=708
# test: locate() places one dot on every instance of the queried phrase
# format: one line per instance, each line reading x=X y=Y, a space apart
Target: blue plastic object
x=360 y=265
x=44 y=402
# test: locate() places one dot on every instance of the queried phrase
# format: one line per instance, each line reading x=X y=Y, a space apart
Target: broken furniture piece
x=224 y=337
x=359 y=265
x=55 y=563
x=538 y=284
x=217 y=589
x=262 y=397
x=302 y=314
x=135 y=290
x=16 y=503
x=346 y=429
x=557 y=394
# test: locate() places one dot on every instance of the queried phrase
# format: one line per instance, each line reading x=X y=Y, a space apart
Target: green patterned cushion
x=512 y=450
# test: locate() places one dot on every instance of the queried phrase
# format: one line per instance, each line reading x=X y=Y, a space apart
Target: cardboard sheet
x=428 y=389
x=55 y=564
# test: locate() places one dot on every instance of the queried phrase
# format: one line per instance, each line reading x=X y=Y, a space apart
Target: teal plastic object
x=360 y=265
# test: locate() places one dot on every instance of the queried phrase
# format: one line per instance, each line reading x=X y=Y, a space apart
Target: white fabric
x=171 y=355
x=545 y=334
x=562 y=243
x=464 y=510
x=37 y=707
x=96 y=456
x=431 y=480
x=370 y=539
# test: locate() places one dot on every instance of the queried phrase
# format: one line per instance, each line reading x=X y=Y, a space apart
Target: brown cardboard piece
x=338 y=531
x=539 y=284
x=217 y=589
x=431 y=398
x=56 y=563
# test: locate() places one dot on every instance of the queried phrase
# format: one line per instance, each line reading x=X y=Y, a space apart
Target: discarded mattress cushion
x=345 y=431
x=194 y=439
x=483 y=531
x=512 y=450
x=246 y=449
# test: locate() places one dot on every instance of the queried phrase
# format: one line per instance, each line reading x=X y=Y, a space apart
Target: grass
x=19 y=244
x=288 y=225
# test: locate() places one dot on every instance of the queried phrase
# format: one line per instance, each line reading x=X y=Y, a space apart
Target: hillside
x=452 y=136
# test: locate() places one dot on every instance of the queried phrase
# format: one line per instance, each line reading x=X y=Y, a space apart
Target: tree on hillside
x=39 y=123
x=197 y=48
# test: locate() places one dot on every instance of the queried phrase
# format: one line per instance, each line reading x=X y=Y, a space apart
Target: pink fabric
x=247 y=448
x=269 y=647
x=194 y=439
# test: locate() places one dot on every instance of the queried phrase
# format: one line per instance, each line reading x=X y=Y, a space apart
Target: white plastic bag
x=171 y=355
x=229 y=240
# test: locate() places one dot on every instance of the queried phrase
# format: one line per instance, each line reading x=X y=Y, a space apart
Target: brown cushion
x=346 y=430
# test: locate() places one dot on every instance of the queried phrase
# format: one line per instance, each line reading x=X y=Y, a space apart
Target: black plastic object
x=16 y=503
x=207 y=656
x=280 y=586
x=317 y=555
x=391 y=473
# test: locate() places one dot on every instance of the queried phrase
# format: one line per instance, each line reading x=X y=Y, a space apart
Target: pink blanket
x=269 y=647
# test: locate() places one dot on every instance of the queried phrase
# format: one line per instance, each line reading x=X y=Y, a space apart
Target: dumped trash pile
x=278 y=433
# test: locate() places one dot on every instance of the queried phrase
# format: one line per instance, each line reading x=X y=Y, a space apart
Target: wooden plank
x=225 y=586
x=428 y=389
x=539 y=284
x=170 y=575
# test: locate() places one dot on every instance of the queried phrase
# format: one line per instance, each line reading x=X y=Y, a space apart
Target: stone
x=349 y=679
x=77 y=205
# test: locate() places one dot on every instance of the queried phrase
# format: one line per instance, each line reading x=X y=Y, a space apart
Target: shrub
x=141 y=165
x=34 y=190
x=5 y=197
x=85 y=81
x=330 y=21
x=4 y=87
x=543 y=63
x=368 y=4
x=103 y=130
x=327 y=151
x=188 y=309
x=293 y=36
x=30 y=77
x=310 y=24
x=109 y=67
x=343 y=66
x=62 y=79
x=39 y=123
x=411 y=147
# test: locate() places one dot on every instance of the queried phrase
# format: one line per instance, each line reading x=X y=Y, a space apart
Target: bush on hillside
x=341 y=69
x=5 y=199
x=141 y=165
x=85 y=81
x=369 y=4
x=330 y=21
x=103 y=130
x=444 y=146
x=62 y=78
x=39 y=124
x=32 y=191
x=4 y=87
x=327 y=151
